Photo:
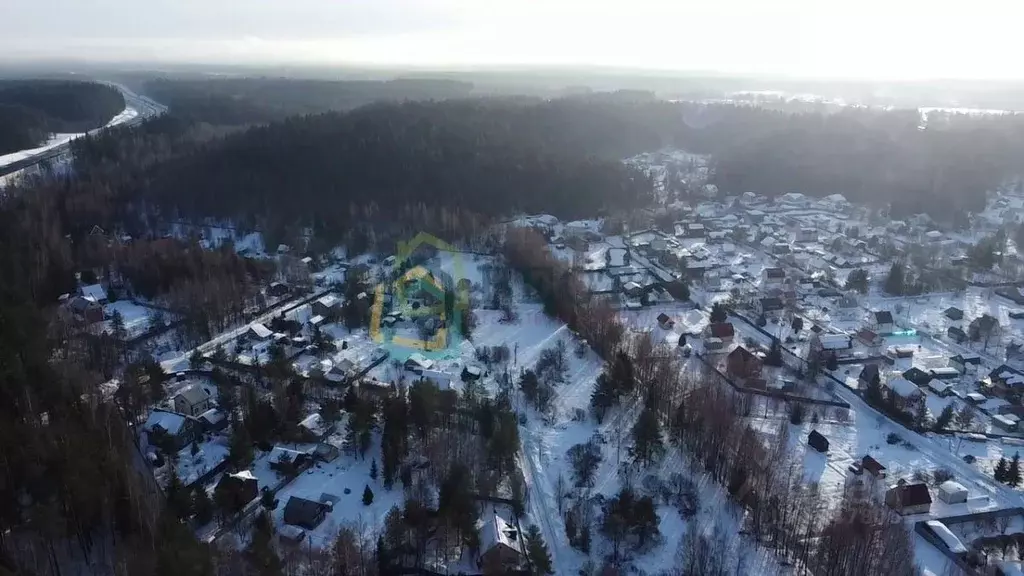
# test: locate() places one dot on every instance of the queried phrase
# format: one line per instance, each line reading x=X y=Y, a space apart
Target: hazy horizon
x=869 y=40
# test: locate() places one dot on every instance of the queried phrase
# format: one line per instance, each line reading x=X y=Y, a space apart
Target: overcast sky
x=886 y=39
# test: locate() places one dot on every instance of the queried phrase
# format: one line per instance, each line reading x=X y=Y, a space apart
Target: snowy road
x=929 y=447
x=137 y=108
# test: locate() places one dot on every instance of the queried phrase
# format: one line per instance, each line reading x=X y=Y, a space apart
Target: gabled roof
x=497 y=532
x=771 y=304
x=883 y=317
x=743 y=354
x=193 y=394
x=94 y=292
x=315 y=424
x=817 y=438
x=917 y=376
x=912 y=494
x=872 y=465
x=663 y=317
x=301 y=512
x=169 y=422
x=260 y=330
x=774 y=273
x=903 y=388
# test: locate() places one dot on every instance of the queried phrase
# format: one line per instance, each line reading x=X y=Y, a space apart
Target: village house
x=724 y=331
x=501 y=547
x=236 y=490
x=95 y=293
x=85 y=310
x=773 y=278
x=192 y=401
x=954 y=313
x=278 y=289
x=965 y=363
x=872 y=466
x=213 y=421
x=956 y=334
x=905 y=394
x=917 y=376
x=743 y=364
x=869 y=338
x=304 y=513
x=314 y=428
x=769 y=307
x=909 y=499
x=869 y=374
x=178 y=430
x=288 y=462
x=328 y=306
x=882 y=322
x=257 y=333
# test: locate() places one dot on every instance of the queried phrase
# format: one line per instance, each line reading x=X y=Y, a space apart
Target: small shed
x=817 y=441
x=952 y=492
x=954 y=313
x=665 y=321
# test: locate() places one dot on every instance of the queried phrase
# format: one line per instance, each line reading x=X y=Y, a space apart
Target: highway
x=144 y=108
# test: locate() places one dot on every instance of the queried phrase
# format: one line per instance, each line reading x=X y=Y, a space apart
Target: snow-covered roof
x=420 y=360
x=315 y=424
x=496 y=531
x=193 y=394
x=329 y=301
x=903 y=387
x=244 y=475
x=169 y=422
x=946 y=535
x=260 y=330
x=835 y=342
x=94 y=293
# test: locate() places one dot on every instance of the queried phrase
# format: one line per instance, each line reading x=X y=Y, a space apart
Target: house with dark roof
x=304 y=513
x=742 y=363
x=918 y=376
x=724 y=331
x=85 y=310
x=909 y=499
x=869 y=338
x=954 y=313
x=665 y=321
x=956 y=334
x=869 y=374
x=872 y=466
x=965 y=362
x=236 y=490
x=882 y=322
x=769 y=306
x=773 y=277
x=817 y=441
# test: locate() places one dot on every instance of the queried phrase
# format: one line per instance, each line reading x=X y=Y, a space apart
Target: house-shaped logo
x=429 y=298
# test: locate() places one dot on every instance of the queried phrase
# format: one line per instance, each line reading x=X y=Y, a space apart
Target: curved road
x=143 y=106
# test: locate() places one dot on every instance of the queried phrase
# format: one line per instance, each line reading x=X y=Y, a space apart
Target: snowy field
x=136 y=317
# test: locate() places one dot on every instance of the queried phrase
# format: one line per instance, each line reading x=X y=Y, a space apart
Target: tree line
x=31 y=110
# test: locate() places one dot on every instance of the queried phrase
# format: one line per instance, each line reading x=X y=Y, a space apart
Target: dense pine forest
x=31 y=110
x=231 y=101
